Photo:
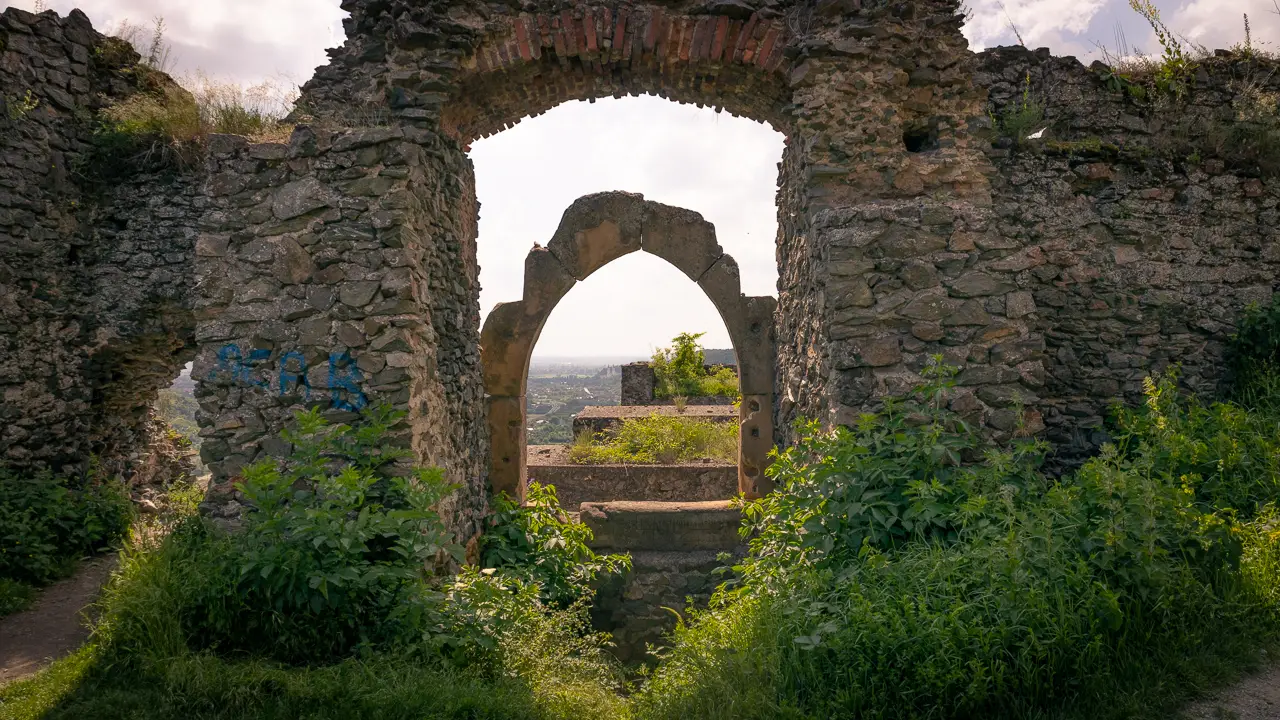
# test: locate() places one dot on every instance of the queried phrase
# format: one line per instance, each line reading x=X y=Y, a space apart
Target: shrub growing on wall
x=680 y=370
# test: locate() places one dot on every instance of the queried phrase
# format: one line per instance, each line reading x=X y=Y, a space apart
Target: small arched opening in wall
x=596 y=230
x=137 y=395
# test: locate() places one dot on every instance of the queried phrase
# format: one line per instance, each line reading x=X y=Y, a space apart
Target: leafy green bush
x=1228 y=454
x=48 y=522
x=331 y=573
x=332 y=550
x=680 y=371
x=894 y=478
x=659 y=439
x=539 y=544
x=906 y=569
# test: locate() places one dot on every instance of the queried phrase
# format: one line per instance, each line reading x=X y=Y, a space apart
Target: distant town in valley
x=559 y=387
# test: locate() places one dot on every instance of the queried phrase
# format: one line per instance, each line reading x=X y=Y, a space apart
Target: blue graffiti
x=348 y=380
x=344 y=376
x=297 y=378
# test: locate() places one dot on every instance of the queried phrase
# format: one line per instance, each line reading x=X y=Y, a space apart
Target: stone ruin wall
x=94 y=275
x=339 y=269
x=328 y=276
x=1129 y=254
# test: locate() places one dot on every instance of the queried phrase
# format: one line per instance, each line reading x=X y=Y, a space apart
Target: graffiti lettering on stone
x=290 y=374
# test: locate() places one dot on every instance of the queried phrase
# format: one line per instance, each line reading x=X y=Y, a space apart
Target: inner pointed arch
x=595 y=230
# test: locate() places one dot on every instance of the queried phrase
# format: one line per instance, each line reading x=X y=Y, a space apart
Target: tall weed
x=540 y=544
x=48 y=522
x=659 y=439
x=1224 y=452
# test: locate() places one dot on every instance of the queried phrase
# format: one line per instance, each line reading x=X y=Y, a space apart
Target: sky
x=722 y=167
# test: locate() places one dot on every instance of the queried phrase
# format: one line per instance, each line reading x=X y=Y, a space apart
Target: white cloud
x=243 y=40
x=1220 y=23
x=1040 y=22
x=715 y=164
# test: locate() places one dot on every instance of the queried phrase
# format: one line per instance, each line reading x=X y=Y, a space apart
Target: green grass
x=659 y=439
x=87 y=687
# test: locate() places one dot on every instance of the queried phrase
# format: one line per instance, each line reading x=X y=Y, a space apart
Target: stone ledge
x=576 y=484
x=644 y=525
x=597 y=419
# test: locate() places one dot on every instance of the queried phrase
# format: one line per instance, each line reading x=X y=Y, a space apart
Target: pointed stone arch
x=596 y=230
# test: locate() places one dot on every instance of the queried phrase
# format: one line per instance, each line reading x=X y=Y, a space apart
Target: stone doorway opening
x=674 y=520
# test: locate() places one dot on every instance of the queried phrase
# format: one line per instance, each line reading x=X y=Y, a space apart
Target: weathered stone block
x=979 y=284
x=681 y=526
x=299 y=198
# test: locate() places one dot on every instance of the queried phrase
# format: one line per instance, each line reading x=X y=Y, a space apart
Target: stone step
x=598 y=418
x=637 y=607
x=576 y=484
x=634 y=526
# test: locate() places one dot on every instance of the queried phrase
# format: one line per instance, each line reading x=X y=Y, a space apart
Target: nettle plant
x=539 y=544
x=902 y=475
x=1255 y=347
x=335 y=542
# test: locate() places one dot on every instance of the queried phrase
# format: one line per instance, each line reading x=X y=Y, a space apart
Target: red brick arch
x=538 y=61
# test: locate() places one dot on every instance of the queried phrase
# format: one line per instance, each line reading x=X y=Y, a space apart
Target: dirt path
x=1256 y=697
x=55 y=625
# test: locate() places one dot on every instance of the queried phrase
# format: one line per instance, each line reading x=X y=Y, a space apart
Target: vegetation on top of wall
x=48 y=523
x=165 y=122
x=681 y=371
x=658 y=440
x=1244 y=135
x=1021 y=120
